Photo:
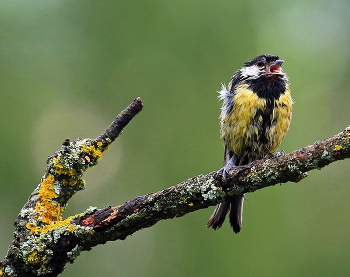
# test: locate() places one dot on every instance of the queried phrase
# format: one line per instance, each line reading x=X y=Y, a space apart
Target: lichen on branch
x=44 y=241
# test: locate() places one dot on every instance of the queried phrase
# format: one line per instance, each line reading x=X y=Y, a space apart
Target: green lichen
x=296 y=172
x=74 y=253
x=9 y=270
x=90 y=210
x=326 y=156
x=211 y=192
x=254 y=176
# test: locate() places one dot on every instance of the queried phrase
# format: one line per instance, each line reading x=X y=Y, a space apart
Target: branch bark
x=44 y=242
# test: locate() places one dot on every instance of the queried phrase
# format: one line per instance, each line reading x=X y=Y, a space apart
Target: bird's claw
x=224 y=171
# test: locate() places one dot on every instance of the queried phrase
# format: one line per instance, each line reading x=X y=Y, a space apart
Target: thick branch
x=207 y=190
x=44 y=242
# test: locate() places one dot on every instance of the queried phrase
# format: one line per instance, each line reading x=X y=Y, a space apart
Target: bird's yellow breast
x=252 y=126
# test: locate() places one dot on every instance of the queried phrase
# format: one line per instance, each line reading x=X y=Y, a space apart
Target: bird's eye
x=260 y=64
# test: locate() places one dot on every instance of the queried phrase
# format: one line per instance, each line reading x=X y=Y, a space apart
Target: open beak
x=275 y=67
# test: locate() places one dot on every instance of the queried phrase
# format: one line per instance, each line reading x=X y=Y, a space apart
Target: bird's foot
x=224 y=171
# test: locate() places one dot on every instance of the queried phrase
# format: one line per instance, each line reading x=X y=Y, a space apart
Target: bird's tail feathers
x=236 y=212
x=218 y=217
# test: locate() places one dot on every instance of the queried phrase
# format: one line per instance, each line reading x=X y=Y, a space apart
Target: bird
x=255 y=116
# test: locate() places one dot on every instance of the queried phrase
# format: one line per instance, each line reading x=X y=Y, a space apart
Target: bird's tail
x=218 y=217
x=235 y=206
x=236 y=213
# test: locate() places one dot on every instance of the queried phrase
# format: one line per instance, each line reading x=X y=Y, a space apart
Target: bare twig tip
x=118 y=124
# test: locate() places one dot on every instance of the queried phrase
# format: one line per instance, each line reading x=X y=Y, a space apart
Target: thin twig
x=118 y=124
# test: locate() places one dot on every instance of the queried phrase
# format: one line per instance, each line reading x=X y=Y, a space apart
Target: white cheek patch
x=252 y=72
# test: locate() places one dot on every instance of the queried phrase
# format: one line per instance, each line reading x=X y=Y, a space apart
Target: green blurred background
x=68 y=68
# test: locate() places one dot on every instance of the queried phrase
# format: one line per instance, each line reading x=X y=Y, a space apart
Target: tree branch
x=44 y=242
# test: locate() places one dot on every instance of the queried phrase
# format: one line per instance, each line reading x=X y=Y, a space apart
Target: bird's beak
x=275 y=68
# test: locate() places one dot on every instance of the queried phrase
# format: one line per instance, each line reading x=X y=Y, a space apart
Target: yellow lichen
x=97 y=154
x=48 y=211
x=57 y=163
x=91 y=150
x=33 y=257
x=71 y=228
x=73 y=182
x=64 y=171
x=99 y=144
x=60 y=169
x=338 y=147
x=45 y=208
x=34 y=230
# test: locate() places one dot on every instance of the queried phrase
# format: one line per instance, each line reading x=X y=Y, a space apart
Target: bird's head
x=269 y=66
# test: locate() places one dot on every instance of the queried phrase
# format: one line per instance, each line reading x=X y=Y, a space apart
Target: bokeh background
x=68 y=67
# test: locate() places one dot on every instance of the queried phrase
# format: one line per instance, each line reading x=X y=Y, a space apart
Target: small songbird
x=255 y=116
